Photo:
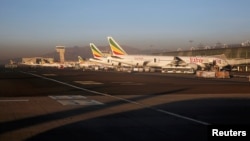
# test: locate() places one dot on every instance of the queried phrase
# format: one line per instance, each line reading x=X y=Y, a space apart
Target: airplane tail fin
x=95 y=51
x=80 y=60
x=115 y=47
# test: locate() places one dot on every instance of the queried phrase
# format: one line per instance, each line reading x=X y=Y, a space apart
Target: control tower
x=61 y=51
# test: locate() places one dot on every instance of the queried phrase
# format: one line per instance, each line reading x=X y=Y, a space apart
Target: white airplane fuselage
x=144 y=60
x=203 y=61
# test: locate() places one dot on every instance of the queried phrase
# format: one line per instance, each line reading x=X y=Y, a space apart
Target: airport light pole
x=191 y=46
x=246 y=61
x=191 y=43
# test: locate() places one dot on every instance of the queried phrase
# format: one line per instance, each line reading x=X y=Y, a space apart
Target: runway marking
x=126 y=100
x=79 y=102
x=14 y=100
x=88 y=82
x=67 y=97
x=75 y=100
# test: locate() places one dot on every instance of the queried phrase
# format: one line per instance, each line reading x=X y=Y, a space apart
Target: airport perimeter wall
x=230 y=53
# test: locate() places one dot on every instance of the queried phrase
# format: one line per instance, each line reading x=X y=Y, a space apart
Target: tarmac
x=51 y=104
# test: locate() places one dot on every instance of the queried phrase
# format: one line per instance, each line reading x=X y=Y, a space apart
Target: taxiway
x=47 y=104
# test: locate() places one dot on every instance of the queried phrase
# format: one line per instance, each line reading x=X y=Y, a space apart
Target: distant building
x=37 y=60
x=231 y=52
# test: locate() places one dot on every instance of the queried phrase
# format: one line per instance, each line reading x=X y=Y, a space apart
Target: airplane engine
x=118 y=63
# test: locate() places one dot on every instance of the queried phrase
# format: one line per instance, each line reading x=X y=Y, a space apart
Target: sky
x=31 y=28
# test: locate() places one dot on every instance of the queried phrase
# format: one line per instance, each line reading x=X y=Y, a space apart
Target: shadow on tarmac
x=142 y=124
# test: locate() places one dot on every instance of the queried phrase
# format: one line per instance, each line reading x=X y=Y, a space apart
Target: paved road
x=47 y=104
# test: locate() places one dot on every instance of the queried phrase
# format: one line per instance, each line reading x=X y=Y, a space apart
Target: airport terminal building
x=231 y=52
x=37 y=60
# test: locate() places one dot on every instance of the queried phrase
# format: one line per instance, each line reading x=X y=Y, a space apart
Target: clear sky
x=35 y=27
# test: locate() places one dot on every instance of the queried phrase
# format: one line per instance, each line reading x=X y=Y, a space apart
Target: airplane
x=202 y=61
x=233 y=64
x=145 y=61
x=172 y=62
x=238 y=61
x=100 y=58
x=84 y=63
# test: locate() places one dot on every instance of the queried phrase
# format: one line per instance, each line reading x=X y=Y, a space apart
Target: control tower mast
x=61 y=51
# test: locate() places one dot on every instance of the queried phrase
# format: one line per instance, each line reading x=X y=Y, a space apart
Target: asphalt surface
x=52 y=104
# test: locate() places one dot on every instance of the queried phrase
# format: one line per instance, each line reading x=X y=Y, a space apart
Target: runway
x=51 y=104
